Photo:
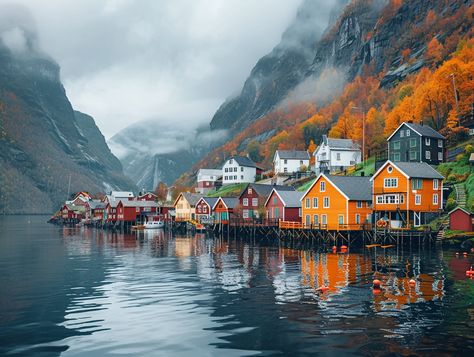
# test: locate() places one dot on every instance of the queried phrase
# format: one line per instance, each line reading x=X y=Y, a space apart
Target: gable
x=315 y=187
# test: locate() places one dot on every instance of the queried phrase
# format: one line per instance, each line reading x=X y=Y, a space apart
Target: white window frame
x=254 y=202
x=418 y=200
x=440 y=143
x=408 y=132
x=307 y=220
x=416 y=187
x=402 y=133
x=324 y=219
x=245 y=202
x=245 y=213
x=340 y=219
x=427 y=141
x=435 y=184
x=338 y=156
x=428 y=155
x=435 y=199
x=390 y=182
x=307 y=202
x=440 y=156
x=315 y=202
x=315 y=219
x=357 y=218
x=326 y=202
x=359 y=204
x=322 y=186
x=396 y=145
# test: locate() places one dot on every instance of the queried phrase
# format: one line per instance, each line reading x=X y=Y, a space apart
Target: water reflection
x=91 y=292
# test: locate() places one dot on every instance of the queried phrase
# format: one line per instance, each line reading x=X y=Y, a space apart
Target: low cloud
x=318 y=89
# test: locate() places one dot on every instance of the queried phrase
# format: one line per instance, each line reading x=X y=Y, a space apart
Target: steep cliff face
x=43 y=141
x=277 y=73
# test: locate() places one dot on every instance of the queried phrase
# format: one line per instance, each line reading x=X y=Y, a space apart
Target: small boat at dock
x=154 y=224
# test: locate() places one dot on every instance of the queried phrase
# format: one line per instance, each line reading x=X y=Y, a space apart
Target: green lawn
x=232 y=190
x=305 y=186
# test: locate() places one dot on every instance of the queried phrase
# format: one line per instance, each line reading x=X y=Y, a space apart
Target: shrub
x=450 y=204
x=452 y=178
x=460 y=157
x=469 y=149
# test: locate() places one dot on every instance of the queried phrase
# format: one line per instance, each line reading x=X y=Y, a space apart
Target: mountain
x=44 y=143
x=152 y=152
x=389 y=59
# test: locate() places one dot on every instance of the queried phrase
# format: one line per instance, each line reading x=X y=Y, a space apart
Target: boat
x=154 y=224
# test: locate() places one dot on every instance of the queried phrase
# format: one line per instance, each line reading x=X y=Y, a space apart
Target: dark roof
x=211 y=201
x=192 y=198
x=293 y=154
x=418 y=170
x=127 y=203
x=345 y=144
x=358 y=188
x=230 y=202
x=265 y=190
x=96 y=204
x=244 y=161
x=425 y=130
x=291 y=198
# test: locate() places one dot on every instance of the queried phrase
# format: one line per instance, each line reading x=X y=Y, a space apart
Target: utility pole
x=456 y=98
x=363 y=130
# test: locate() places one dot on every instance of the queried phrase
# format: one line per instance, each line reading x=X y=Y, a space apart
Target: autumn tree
x=161 y=192
x=253 y=149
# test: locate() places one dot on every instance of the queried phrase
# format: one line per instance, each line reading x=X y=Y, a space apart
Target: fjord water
x=86 y=292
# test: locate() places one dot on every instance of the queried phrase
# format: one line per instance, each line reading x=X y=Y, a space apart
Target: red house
x=72 y=212
x=147 y=196
x=133 y=211
x=224 y=208
x=253 y=197
x=284 y=205
x=461 y=219
x=110 y=212
x=204 y=208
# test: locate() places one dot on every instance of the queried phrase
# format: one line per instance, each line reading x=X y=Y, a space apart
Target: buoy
x=323 y=288
x=376 y=291
x=334 y=249
x=457 y=253
x=465 y=254
x=376 y=283
x=412 y=282
x=343 y=248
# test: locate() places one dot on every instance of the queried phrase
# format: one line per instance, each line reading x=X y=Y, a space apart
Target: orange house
x=406 y=193
x=337 y=203
x=224 y=208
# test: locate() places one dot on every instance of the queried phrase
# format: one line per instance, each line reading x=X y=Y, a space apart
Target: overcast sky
x=124 y=61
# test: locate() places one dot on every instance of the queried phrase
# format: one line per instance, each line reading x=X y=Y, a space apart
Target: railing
x=290 y=225
x=254 y=222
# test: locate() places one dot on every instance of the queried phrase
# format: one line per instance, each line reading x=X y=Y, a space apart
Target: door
x=417 y=219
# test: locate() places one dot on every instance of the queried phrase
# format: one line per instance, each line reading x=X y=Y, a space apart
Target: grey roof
x=96 y=204
x=244 y=161
x=418 y=170
x=230 y=202
x=192 y=198
x=127 y=203
x=211 y=201
x=425 y=130
x=265 y=190
x=291 y=198
x=357 y=188
x=293 y=154
x=345 y=144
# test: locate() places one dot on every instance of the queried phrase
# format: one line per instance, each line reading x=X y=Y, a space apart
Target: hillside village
x=336 y=187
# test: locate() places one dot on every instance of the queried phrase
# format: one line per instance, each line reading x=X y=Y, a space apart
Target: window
x=324 y=219
x=255 y=202
x=440 y=156
x=274 y=200
x=242 y=169
x=301 y=162
x=435 y=184
x=390 y=199
x=250 y=191
x=402 y=133
x=427 y=141
x=315 y=202
x=326 y=202
x=235 y=177
x=417 y=200
x=435 y=199
x=396 y=145
x=322 y=186
x=225 y=177
x=235 y=169
x=285 y=161
x=307 y=220
x=440 y=143
x=285 y=169
x=241 y=177
x=316 y=220
x=308 y=203
x=226 y=169
x=245 y=213
x=338 y=156
x=413 y=155
x=408 y=132
x=357 y=218
x=245 y=202
x=417 y=184
x=428 y=155
x=277 y=213
x=359 y=204
x=390 y=169
x=368 y=204
x=231 y=161
x=340 y=219
x=413 y=143
x=396 y=156
x=390 y=182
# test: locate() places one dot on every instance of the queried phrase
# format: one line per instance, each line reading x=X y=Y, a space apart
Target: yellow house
x=185 y=206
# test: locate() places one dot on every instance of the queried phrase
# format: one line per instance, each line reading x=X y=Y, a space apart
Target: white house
x=206 y=179
x=289 y=161
x=239 y=169
x=335 y=155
